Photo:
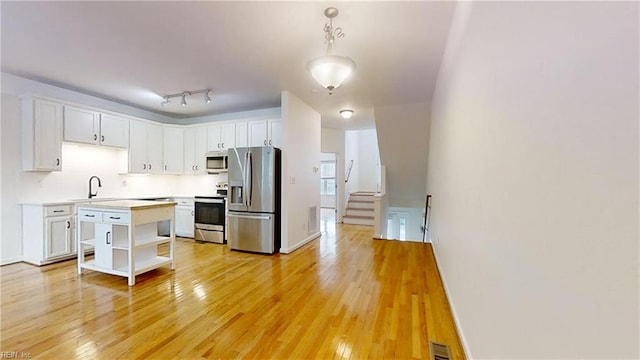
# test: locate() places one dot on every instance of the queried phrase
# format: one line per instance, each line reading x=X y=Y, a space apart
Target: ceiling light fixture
x=331 y=70
x=183 y=102
x=347 y=114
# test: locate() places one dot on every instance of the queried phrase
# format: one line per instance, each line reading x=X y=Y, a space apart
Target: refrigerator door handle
x=253 y=217
x=244 y=180
x=249 y=178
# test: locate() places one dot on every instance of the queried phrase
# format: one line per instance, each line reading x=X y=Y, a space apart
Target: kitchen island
x=124 y=236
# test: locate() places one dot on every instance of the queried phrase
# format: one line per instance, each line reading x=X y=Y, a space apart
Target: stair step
x=358 y=220
x=360 y=198
x=363 y=193
x=360 y=205
x=359 y=212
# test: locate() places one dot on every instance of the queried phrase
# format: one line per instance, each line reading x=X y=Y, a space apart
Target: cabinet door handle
x=91 y=216
x=102 y=138
x=114 y=217
x=265 y=142
x=95 y=137
x=68 y=224
x=193 y=168
x=269 y=142
x=107 y=236
x=197 y=166
x=223 y=145
x=144 y=166
x=58 y=162
x=58 y=211
x=165 y=168
x=149 y=166
x=191 y=212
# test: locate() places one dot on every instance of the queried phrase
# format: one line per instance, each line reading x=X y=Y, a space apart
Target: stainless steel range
x=210 y=218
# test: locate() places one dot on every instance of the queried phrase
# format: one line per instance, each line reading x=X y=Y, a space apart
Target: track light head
x=165 y=103
x=183 y=102
x=207 y=99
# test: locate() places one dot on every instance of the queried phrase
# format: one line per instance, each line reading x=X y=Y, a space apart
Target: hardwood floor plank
x=343 y=296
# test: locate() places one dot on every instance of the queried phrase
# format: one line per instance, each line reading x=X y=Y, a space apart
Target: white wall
x=403 y=138
x=300 y=171
x=533 y=168
x=361 y=146
x=333 y=141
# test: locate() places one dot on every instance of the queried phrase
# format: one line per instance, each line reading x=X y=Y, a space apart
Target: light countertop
x=127 y=204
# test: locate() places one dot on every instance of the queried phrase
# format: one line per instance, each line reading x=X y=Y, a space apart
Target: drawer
x=116 y=217
x=186 y=202
x=88 y=215
x=57 y=210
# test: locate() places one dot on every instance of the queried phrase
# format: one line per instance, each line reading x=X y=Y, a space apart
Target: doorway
x=328 y=188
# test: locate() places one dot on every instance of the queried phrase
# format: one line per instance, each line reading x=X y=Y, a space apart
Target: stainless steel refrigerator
x=254 y=199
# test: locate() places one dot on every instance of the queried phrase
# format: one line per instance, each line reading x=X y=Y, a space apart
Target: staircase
x=359 y=209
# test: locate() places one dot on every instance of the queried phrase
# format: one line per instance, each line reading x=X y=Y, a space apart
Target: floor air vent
x=439 y=351
x=313 y=219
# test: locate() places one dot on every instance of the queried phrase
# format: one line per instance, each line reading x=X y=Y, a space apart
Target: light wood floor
x=343 y=296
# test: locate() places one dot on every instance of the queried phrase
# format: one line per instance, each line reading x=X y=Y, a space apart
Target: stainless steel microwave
x=217 y=162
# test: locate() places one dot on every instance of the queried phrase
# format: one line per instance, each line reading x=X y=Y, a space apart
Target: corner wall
x=300 y=172
x=533 y=168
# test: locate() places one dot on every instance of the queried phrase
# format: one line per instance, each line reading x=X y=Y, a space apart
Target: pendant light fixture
x=331 y=70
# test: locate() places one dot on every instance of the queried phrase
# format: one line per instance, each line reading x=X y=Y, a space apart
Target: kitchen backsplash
x=81 y=162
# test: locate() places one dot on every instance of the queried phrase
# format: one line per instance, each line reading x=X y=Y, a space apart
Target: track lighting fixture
x=183 y=95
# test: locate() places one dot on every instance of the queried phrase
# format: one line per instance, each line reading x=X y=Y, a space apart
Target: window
x=327 y=178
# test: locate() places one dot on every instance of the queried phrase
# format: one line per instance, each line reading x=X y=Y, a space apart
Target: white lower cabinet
x=185 y=217
x=47 y=233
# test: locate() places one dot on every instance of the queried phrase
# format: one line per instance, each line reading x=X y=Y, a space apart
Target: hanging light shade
x=331 y=70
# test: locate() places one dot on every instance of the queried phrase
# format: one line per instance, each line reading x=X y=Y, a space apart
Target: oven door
x=209 y=220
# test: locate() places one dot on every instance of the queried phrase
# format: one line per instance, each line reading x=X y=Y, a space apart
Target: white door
x=213 y=138
x=48 y=135
x=173 y=149
x=189 y=136
x=114 y=131
x=200 y=150
x=258 y=133
x=103 y=245
x=185 y=221
x=241 y=135
x=58 y=236
x=138 y=147
x=80 y=125
x=228 y=136
x=154 y=148
x=275 y=133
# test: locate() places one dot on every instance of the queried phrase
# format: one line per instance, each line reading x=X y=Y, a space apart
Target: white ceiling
x=247 y=52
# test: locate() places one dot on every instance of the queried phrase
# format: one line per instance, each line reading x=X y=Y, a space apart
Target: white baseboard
x=300 y=244
x=12 y=260
x=463 y=340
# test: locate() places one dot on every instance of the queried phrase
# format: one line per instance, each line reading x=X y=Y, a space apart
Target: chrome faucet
x=91 y=194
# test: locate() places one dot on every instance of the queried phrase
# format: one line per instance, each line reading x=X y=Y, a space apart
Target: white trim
x=12 y=260
x=300 y=244
x=463 y=340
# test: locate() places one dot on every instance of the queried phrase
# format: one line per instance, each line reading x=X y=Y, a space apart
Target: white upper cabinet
x=173 y=149
x=114 y=131
x=80 y=125
x=265 y=133
x=145 y=147
x=242 y=134
x=221 y=137
x=195 y=149
x=91 y=127
x=41 y=135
